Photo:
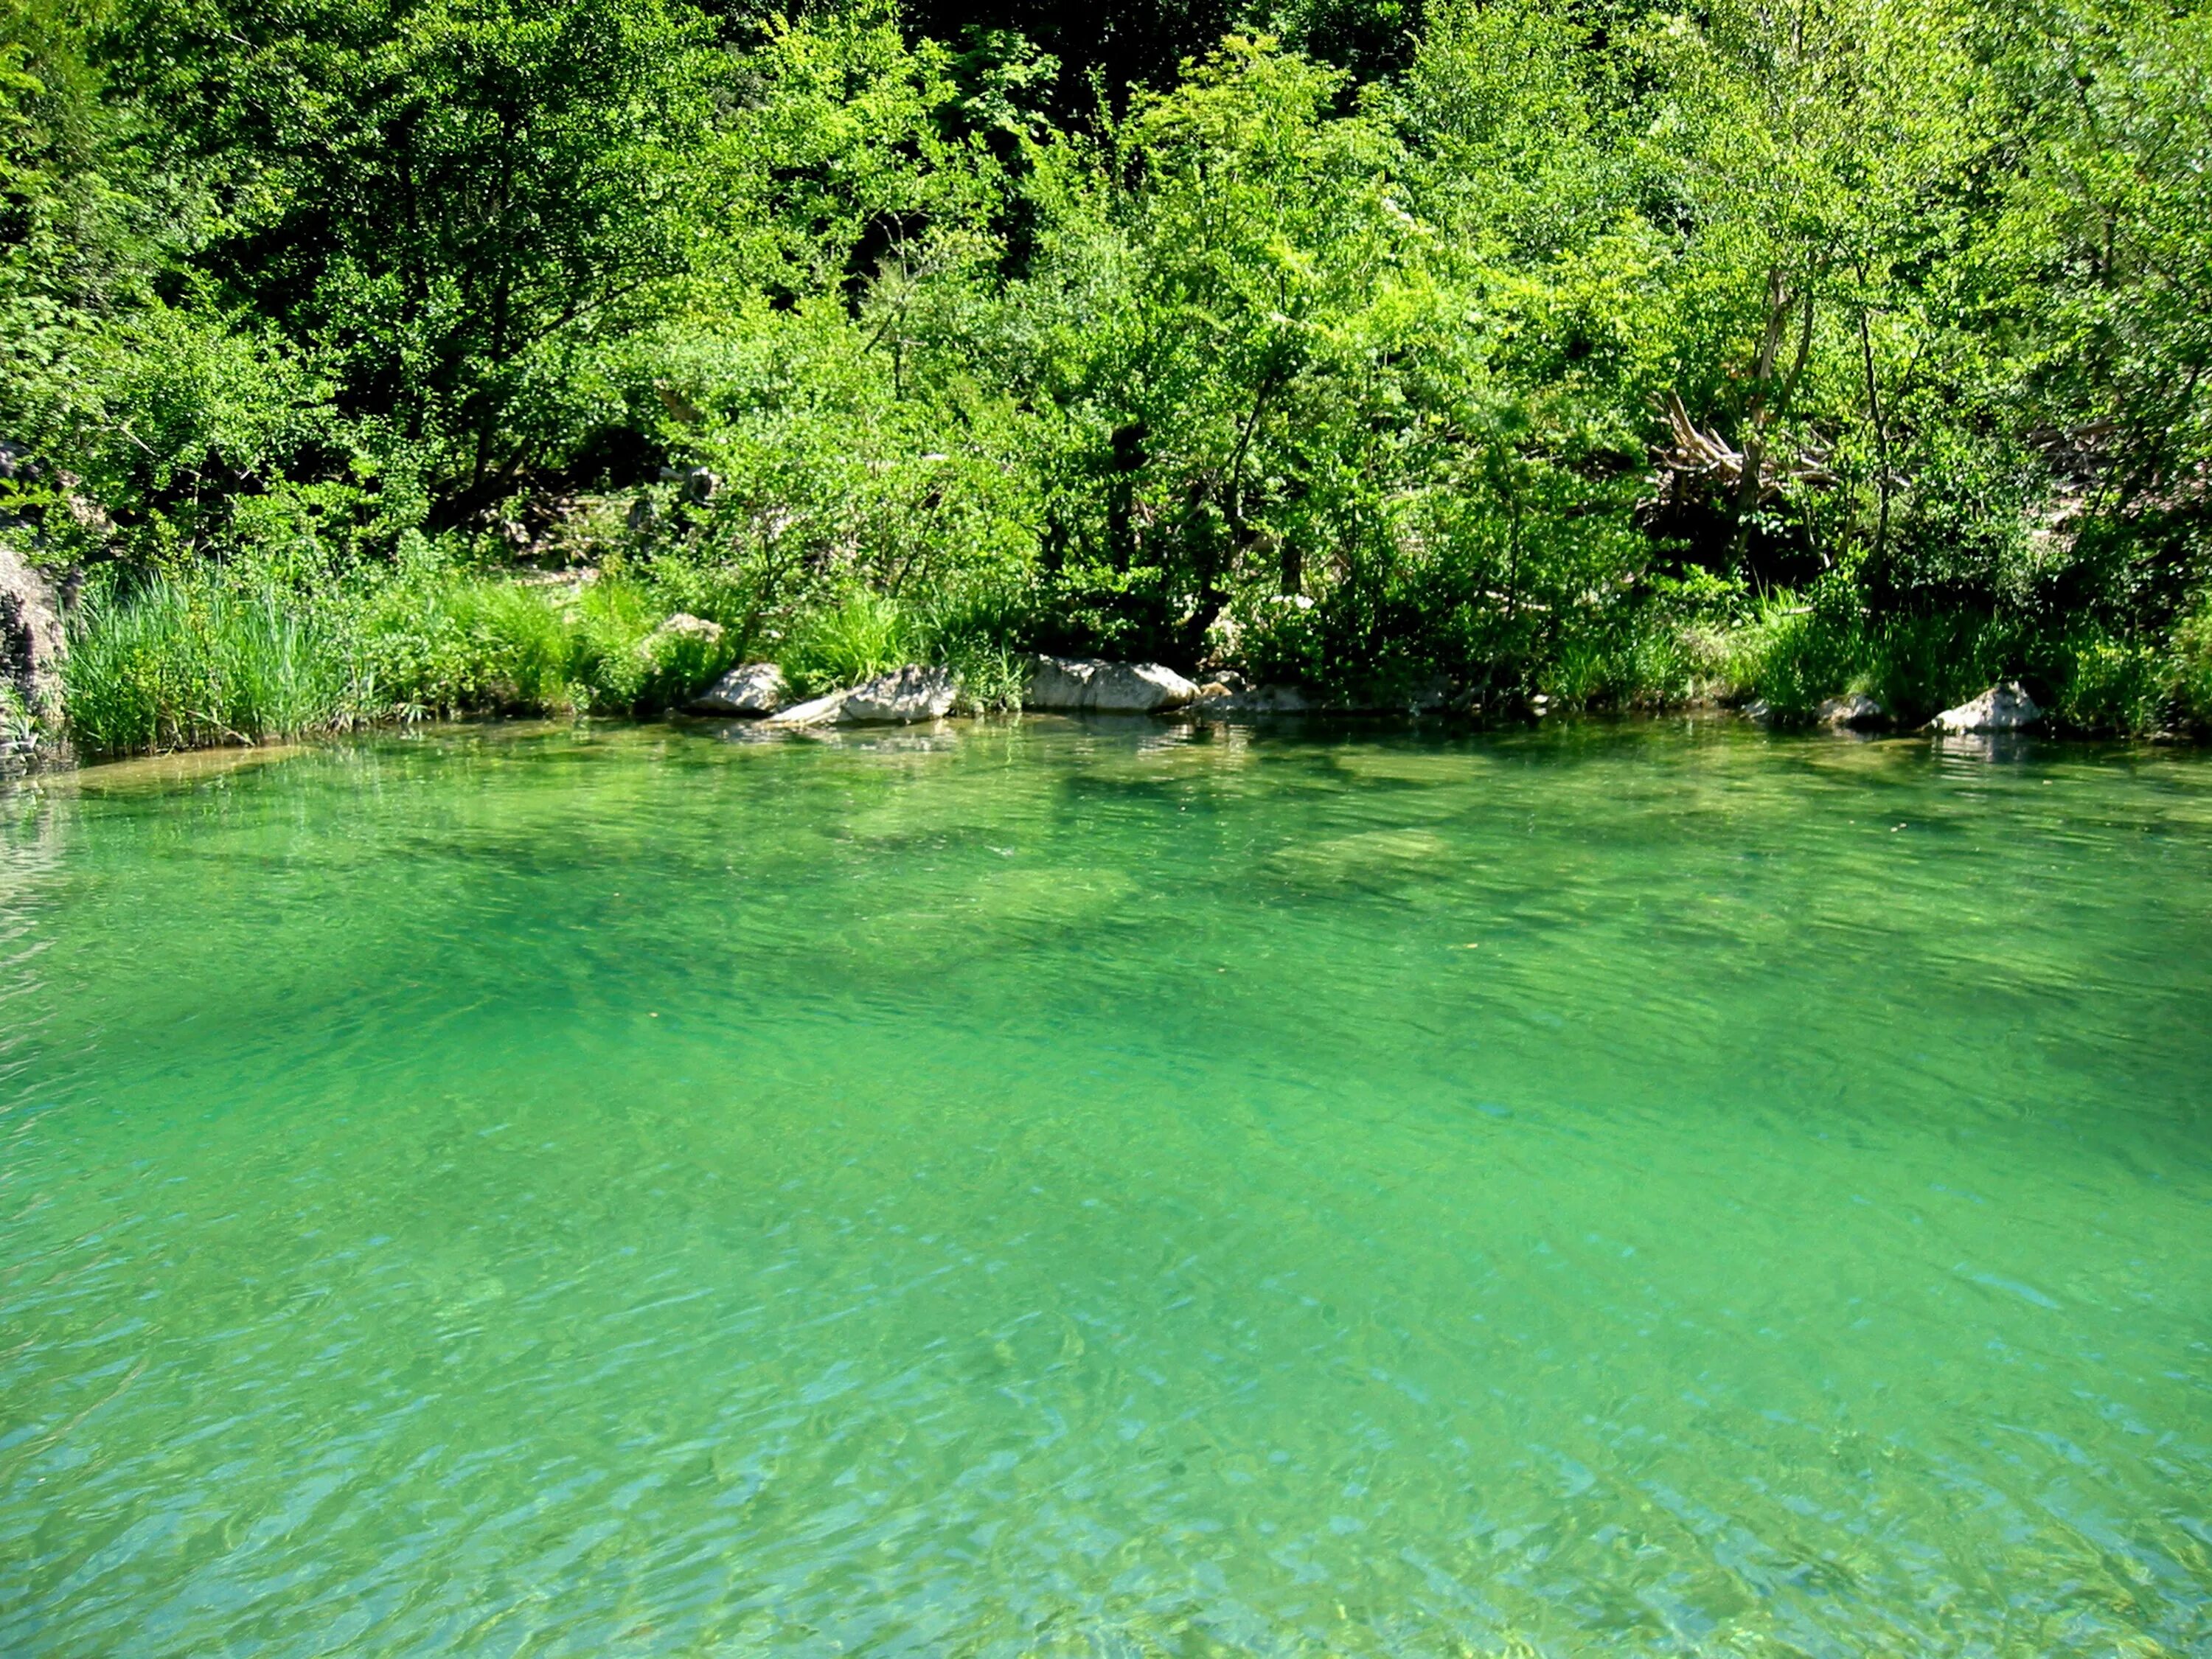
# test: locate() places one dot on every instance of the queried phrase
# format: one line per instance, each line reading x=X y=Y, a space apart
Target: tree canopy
x=1398 y=340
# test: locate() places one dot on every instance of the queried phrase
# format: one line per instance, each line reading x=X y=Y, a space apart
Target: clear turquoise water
x=1104 y=1190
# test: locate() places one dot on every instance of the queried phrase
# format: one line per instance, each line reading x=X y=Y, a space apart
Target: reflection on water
x=1109 y=1188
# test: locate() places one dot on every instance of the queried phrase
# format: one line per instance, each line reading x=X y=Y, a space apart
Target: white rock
x=817 y=711
x=753 y=688
x=685 y=626
x=2004 y=707
x=913 y=693
x=1856 y=709
x=1091 y=686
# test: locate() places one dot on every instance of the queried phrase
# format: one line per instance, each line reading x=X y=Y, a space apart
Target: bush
x=2112 y=685
x=1794 y=655
x=2191 y=660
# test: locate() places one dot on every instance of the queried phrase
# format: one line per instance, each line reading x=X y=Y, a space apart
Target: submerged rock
x=913 y=693
x=1856 y=709
x=2006 y=707
x=1088 y=685
x=753 y=688
x=1371 y=856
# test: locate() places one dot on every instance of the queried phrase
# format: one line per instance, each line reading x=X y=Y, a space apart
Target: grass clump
x=178 y=665
x=856 y=636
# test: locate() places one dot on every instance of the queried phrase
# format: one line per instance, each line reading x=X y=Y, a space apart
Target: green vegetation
x=1580 y=347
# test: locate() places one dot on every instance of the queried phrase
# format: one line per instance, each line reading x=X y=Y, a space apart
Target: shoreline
x=187 y=764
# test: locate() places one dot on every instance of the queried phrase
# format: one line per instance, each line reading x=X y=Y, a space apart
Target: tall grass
x=174 y=665
x=178 y=665
x=857 y=636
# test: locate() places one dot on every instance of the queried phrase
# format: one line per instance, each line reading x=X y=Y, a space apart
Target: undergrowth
x=180 y=664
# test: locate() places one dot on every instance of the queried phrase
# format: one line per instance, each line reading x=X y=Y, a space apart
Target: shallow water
x=1103 y=1190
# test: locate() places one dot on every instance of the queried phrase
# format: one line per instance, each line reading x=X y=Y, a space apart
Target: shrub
x=2192 y=666
x=2111 y=685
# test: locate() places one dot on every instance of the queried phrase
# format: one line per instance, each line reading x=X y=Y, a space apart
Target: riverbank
x=170 y=665
x=1483 y=361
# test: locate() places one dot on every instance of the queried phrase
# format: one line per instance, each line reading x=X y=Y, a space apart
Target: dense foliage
x=1586 y=347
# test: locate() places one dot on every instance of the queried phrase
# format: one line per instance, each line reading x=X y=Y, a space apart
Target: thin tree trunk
x=489 y=403
x=1767 y=399
x=1881 y=444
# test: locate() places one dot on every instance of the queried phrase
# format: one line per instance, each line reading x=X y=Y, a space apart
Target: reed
x=174 y=665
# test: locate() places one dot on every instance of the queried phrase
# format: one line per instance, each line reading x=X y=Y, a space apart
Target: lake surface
x=1110 y=1190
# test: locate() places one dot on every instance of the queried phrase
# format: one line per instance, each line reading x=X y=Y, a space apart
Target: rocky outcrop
x=2006 y=707
x=751 y=689
x=1855 y=710
x=913 y=693
x=1090 y=686
x=32 y=638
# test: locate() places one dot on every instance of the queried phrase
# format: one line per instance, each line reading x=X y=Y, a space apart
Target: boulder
x=695 y=484
x=1856 y=709
x=1220 y=699
x=32 y=638
x=753 y=688
x=685 y=626
x=816 y=711
x=913 y=693
x=1087 y=685
x=1431 y=696
x=2006 y=707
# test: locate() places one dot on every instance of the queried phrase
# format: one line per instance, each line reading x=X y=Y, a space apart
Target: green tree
x=426 y=197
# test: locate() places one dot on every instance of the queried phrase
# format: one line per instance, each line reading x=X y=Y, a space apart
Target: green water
x=1104 y=1190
